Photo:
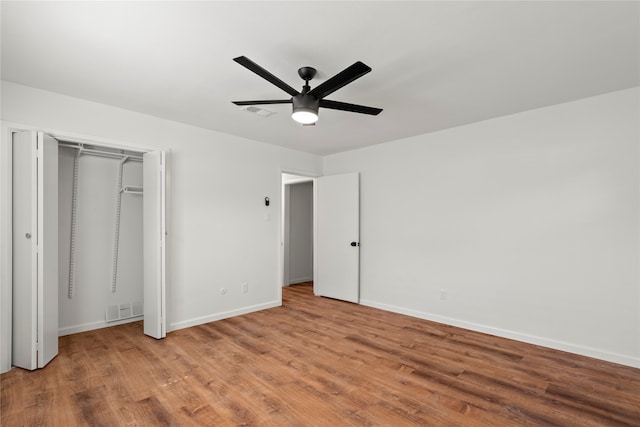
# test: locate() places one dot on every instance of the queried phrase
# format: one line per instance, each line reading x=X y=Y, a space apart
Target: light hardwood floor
x=316 y=362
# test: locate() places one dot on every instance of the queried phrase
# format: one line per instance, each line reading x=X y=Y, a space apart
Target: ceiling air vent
x=257 y=110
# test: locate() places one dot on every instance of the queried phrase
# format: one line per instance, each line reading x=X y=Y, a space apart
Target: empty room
x=320 y=213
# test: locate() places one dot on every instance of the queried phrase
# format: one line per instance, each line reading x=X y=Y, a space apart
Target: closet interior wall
x=84 y=306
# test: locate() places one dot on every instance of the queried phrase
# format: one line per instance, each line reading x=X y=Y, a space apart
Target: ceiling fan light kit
x=304 y=116
x=307 y=103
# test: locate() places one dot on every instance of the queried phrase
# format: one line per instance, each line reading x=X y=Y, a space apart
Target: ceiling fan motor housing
x=305 y=103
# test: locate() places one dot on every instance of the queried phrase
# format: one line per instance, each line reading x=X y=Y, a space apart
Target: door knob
x=355 y=244
x=27 y=235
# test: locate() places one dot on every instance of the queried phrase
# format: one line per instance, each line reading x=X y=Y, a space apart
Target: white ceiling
x=435 y=65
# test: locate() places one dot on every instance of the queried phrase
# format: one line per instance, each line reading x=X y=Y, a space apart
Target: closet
x=100 y=196
x=88 y=241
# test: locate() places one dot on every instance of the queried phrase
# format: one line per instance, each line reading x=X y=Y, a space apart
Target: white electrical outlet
x=443 y=294
x=245 y=287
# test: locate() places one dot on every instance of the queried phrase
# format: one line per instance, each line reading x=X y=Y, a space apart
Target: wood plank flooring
x=316 y=362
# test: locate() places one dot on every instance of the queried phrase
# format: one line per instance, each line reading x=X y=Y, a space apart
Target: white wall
x=300 y=232
x=530 y=223
x=95 y=231
x=218 y=235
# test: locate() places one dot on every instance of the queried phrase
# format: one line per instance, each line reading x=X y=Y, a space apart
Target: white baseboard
x=300 y=280
x=219 y=316
x=75 y=329
x=518 y=336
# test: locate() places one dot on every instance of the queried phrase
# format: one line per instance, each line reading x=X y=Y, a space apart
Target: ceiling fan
x=307 y=102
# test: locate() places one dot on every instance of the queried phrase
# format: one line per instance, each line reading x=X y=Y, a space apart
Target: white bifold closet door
x=154 y=242
x=338 y=237
x=34 y=339
x=35 y=249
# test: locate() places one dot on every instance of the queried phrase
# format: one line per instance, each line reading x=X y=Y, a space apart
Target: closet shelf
x=132 y=189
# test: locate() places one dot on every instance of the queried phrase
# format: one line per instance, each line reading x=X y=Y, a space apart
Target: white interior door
x=338 y=237
x=35 y=249
x=153 y=208
x=47 y=249
x=24 y=332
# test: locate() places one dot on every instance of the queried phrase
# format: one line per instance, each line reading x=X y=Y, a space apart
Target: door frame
x=281 y=223
x=6 y=215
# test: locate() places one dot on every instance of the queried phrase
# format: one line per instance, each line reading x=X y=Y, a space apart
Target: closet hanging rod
x=93 y=151
x=131 y=189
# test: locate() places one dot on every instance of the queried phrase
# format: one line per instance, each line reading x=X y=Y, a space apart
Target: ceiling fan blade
x=263 y=102
x=252 y=66
x=341 y=79
x=336 y=105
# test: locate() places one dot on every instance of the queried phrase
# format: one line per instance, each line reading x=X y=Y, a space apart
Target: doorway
x=336 y=235
x=297 y=229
